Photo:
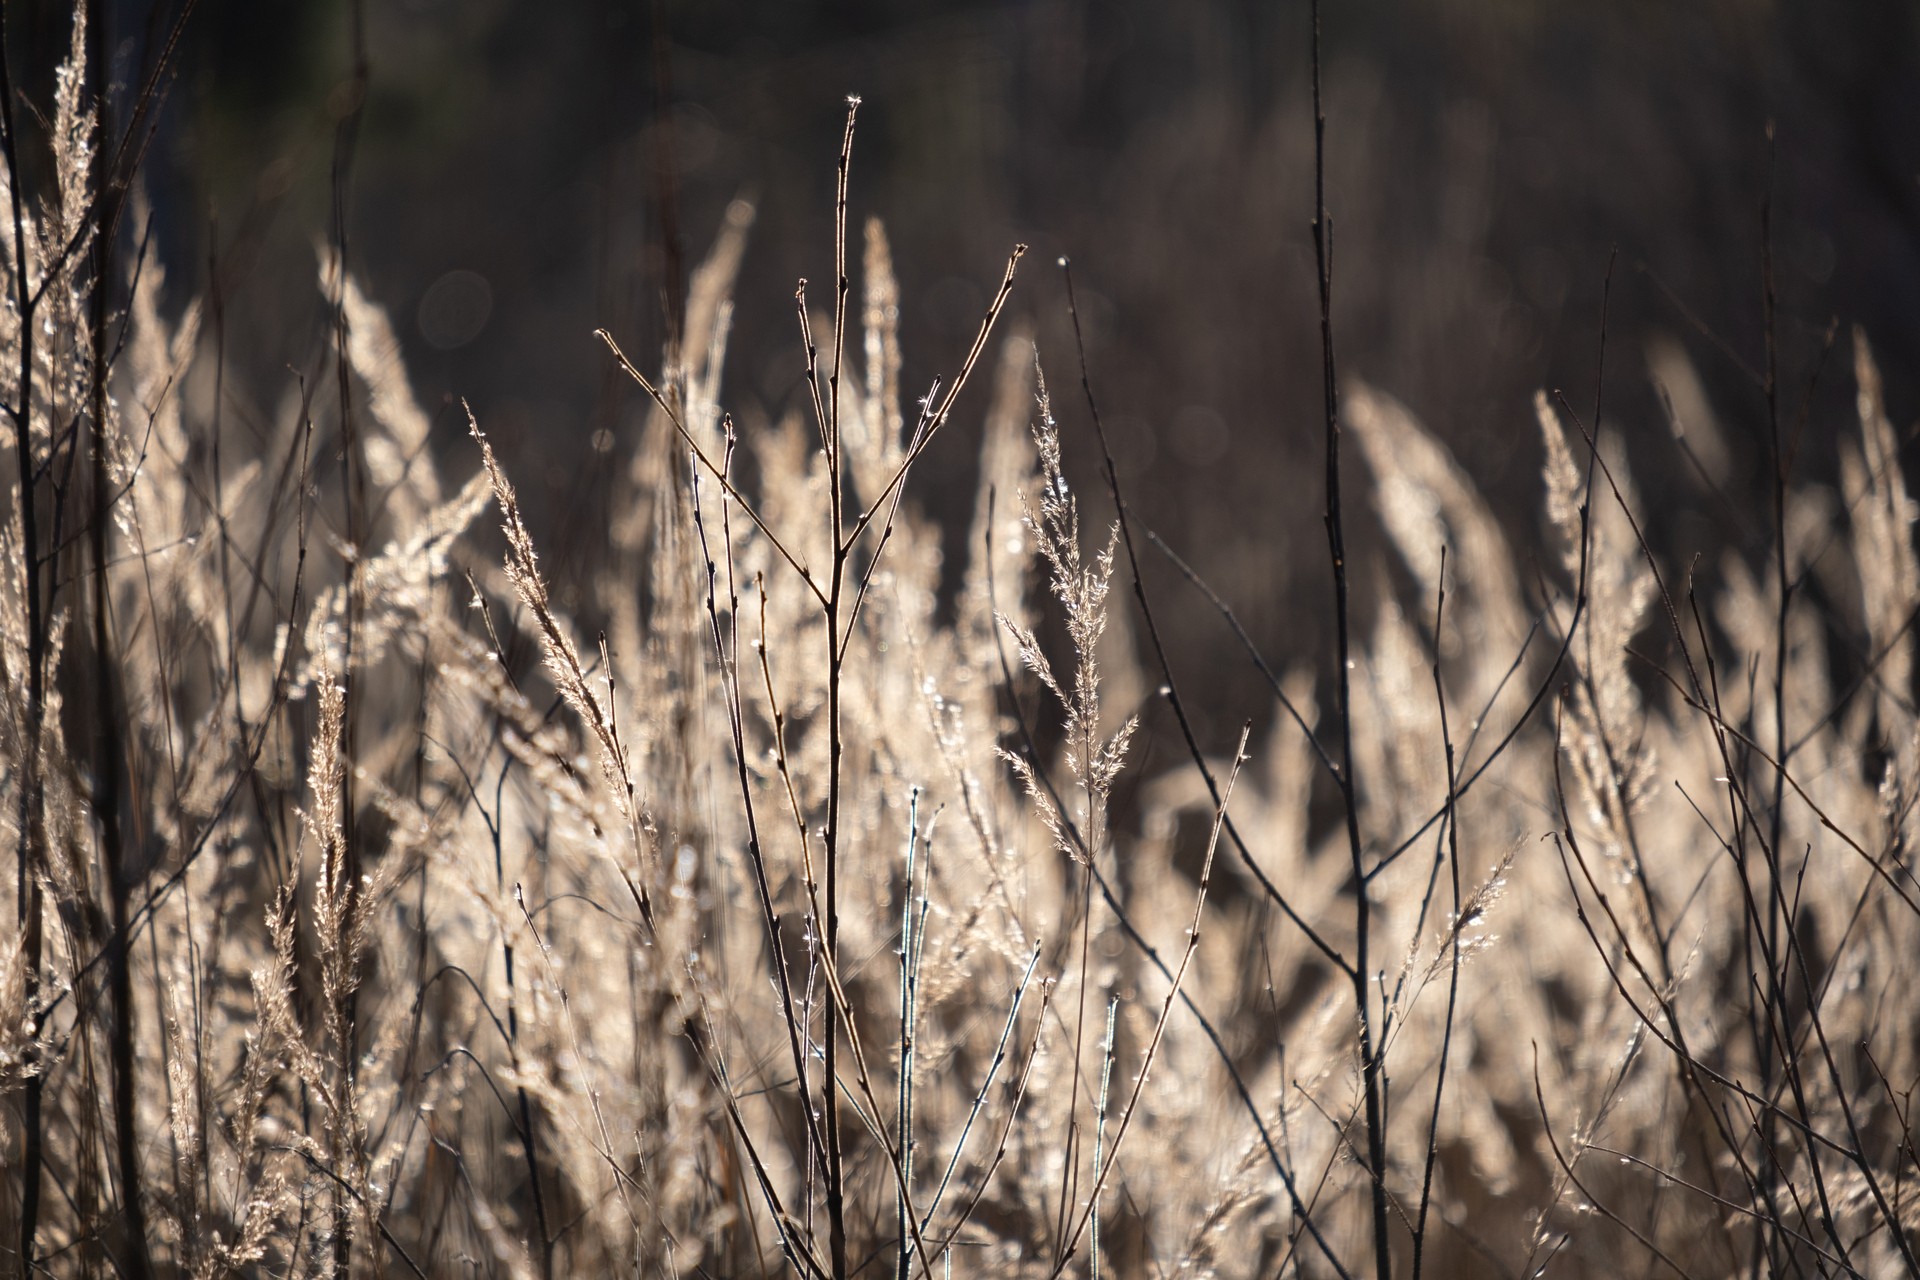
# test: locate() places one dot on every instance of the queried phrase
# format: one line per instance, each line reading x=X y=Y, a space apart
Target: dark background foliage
x=527 y=170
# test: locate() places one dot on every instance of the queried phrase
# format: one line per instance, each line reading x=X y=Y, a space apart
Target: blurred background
x=525 y=171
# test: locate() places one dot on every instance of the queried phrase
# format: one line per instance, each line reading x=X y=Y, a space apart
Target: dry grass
x=373 y=918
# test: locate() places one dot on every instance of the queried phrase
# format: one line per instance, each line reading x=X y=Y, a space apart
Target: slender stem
x=1343 y=677
x=756 y=856
x=903 y=1111
x=836 y=665
x=980 y=1095
x=1100 y=1139
x=107 y=744
x=1302 y=1210
x=1452 y=821
x=32 y=834
x=1172 y=686
x=715 y=469
x=1128 y=1112
x=528 y=1141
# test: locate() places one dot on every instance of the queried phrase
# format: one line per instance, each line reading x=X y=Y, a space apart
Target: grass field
x=370 y=913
